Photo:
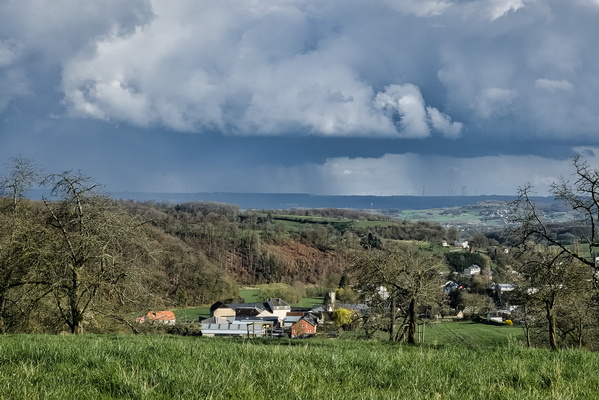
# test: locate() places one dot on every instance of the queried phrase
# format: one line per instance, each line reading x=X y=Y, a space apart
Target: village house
x=461 y=243
x=305 y=326
x=160 y=317
x=317 y=312
x=471 y=271
x=501 y=295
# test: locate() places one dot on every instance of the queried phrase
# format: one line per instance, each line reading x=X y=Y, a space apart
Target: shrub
x=278 y=290
x=184 y=330
x=342 y=317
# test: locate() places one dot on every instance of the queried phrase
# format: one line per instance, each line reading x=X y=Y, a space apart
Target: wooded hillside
x=81 y=260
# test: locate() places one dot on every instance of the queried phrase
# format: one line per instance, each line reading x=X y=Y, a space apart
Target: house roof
x=308 y=319
x=217 y=305
x=278 y=304
x=270 y=305
x=160 y=315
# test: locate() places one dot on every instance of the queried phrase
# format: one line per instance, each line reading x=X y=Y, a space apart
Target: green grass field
x=170 y=367
x=471 y=335
x=192 y=313
x=249 y=295
x=298 y=223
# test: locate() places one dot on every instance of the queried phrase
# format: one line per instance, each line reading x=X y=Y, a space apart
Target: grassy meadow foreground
x=458 y=361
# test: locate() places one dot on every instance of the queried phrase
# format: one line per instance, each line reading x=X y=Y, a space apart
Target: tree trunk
x=2 y=305
x=392 y=319
x=552 y=326
x=412 y=322
x=76 y=315
x=580 y=332
x=527 y=334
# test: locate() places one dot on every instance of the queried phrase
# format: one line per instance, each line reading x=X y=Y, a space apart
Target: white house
x=471 y=271
x=461 y=243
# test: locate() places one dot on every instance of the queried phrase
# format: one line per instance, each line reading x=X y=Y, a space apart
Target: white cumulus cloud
x=405 y=105
x=443 y=123
x=288 y=67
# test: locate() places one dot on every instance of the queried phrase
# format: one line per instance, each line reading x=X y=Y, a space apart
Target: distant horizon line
x=323 y=195
x=264 y=201
x=220 y=192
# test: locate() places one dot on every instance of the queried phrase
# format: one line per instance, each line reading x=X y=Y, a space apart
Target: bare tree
x=22 y=176
x=554 y=271
x=406 y=276
x=582 y=195
x=550 y=279
x=20 y=256
x=97 y=251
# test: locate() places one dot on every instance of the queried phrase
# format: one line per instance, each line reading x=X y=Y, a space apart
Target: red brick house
x=305 y=326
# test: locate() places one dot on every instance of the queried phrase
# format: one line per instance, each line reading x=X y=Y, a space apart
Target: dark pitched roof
x=217 y=305
x=270 y=305
x=309 y=319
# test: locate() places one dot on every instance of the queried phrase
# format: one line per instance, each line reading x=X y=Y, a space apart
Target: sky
x=336 y=97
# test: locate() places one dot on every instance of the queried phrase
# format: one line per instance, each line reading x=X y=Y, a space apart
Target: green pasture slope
x=471 y=335
x=172 y=367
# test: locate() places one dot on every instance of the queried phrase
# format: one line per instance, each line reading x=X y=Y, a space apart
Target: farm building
x=271 y=318
x=251 y=329
x=271 y=307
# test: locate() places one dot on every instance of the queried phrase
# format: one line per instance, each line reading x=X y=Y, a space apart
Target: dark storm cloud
x=303 y=95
